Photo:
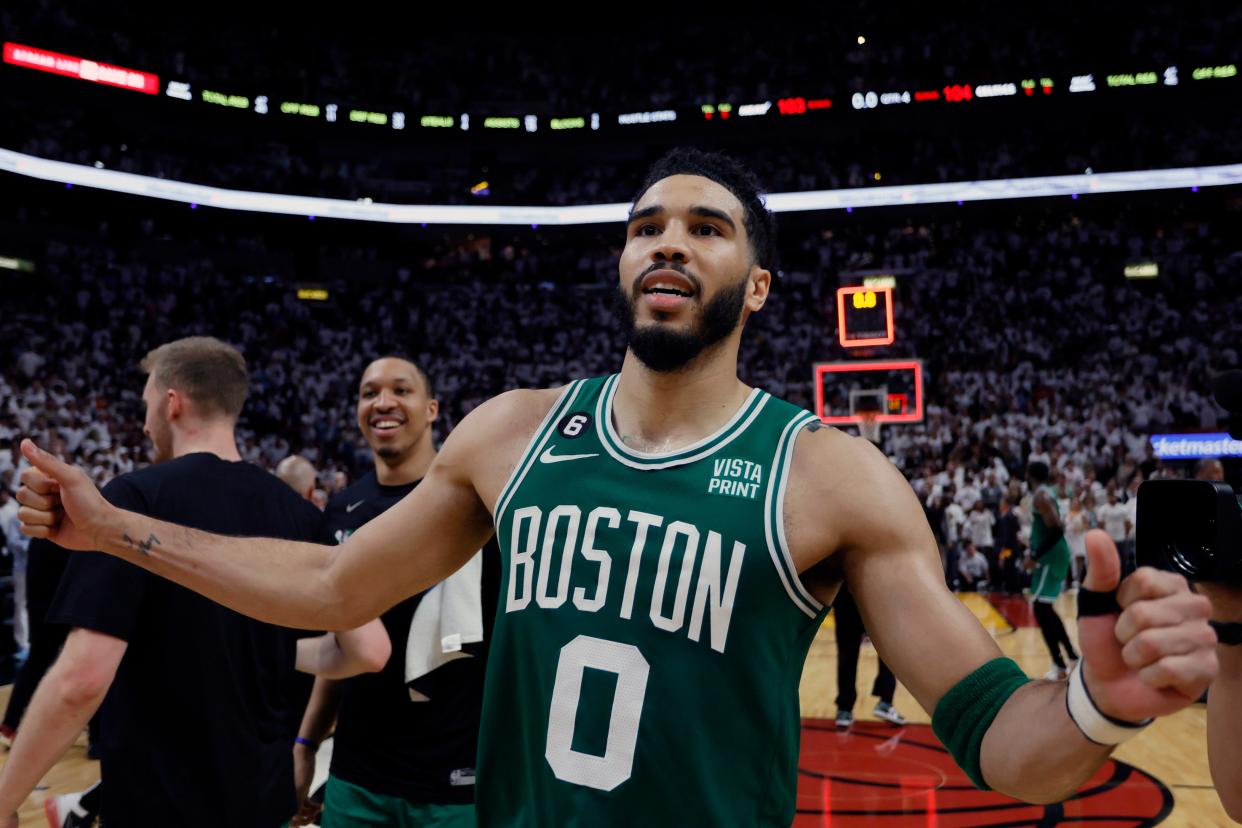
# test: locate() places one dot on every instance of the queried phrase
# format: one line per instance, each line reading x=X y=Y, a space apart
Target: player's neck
x=219 y=440
x=409 y=468
x=657 y=411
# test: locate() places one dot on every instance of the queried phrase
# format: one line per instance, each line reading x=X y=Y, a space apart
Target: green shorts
x=349 y=806
x=1048 y=578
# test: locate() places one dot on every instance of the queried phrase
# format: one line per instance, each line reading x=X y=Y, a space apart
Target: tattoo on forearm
x=143 y=546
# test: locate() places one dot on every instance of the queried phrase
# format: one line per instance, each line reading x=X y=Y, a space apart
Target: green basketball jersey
x=651 y=629
x=1039 y=529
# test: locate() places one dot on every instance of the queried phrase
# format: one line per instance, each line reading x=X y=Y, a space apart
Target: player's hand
x=9 y=821
x=303 y=773
x=1159 y=654
x=1029 y=564
x=59 y=502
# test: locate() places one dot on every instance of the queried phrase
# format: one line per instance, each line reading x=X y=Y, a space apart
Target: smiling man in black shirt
x=404 y=749
x=202 y=703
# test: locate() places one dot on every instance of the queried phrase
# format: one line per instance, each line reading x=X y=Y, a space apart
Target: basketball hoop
x=869 y=426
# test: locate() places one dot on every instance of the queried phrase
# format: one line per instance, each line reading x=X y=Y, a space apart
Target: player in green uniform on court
x=1050 y=555
x=671 y=539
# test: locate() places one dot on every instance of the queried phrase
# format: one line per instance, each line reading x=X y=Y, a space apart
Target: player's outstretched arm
x=417 y=543
x=1007 y=732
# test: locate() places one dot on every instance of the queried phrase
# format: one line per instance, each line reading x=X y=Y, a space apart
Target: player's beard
x=665 y=349
x=161 y=436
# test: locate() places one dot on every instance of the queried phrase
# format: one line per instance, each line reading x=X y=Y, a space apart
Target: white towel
x=449 y=616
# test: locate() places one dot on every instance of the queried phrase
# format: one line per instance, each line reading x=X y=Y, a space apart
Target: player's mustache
x=676 y=267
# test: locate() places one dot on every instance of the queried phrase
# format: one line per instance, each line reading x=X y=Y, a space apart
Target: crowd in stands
x=1035 y=345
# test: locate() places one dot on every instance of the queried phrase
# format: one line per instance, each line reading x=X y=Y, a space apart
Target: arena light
x=313 y=294
x=497 y=122
x=1142 y=270
x=963 y=191
x=179 y=90
x=20 y=265
x=81 y=68
x=568 y=123
x=437 y=121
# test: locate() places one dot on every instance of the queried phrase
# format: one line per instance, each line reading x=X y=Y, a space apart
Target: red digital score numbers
x=865 y=316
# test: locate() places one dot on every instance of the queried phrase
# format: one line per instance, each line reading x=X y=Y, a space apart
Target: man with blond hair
x=202 y=703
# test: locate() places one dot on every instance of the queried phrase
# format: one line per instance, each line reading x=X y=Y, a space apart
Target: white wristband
x=1096 y=726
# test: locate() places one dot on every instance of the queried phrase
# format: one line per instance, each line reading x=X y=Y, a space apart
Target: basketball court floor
x=879 y=775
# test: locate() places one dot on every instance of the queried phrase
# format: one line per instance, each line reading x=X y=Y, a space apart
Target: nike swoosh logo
x=549 y=457
x=353 y=506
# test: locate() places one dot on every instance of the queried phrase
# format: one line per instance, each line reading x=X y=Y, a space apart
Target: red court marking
x=1016 y=609
x=879 y=775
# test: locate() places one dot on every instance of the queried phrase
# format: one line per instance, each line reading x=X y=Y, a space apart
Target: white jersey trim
x=709 y=445
x=564 y=401
x=774 y=518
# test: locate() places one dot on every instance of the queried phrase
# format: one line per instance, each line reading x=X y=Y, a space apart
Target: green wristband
x=964 y=714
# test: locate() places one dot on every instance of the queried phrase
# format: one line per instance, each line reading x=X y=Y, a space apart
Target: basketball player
x=671 y=540
x=1050 y=556
x=202 y=703
x=395 y=760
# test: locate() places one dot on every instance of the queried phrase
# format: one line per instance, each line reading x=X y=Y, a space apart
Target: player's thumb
x=1103 y=562
x=47 y=463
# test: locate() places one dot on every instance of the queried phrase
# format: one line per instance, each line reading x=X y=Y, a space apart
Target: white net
x=869 y=426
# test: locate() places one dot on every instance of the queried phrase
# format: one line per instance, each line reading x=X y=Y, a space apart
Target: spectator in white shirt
x=1114 y=519
x=15 y=544
x=972 y=568
x=1077 y=522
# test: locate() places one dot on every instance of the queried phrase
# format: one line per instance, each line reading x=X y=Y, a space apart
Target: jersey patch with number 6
x=574 y=424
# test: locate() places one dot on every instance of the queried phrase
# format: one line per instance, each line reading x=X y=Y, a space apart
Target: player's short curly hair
x=734 y=177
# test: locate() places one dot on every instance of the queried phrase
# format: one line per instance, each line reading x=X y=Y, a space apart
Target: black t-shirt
x=198 y=727
x=422 y=751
